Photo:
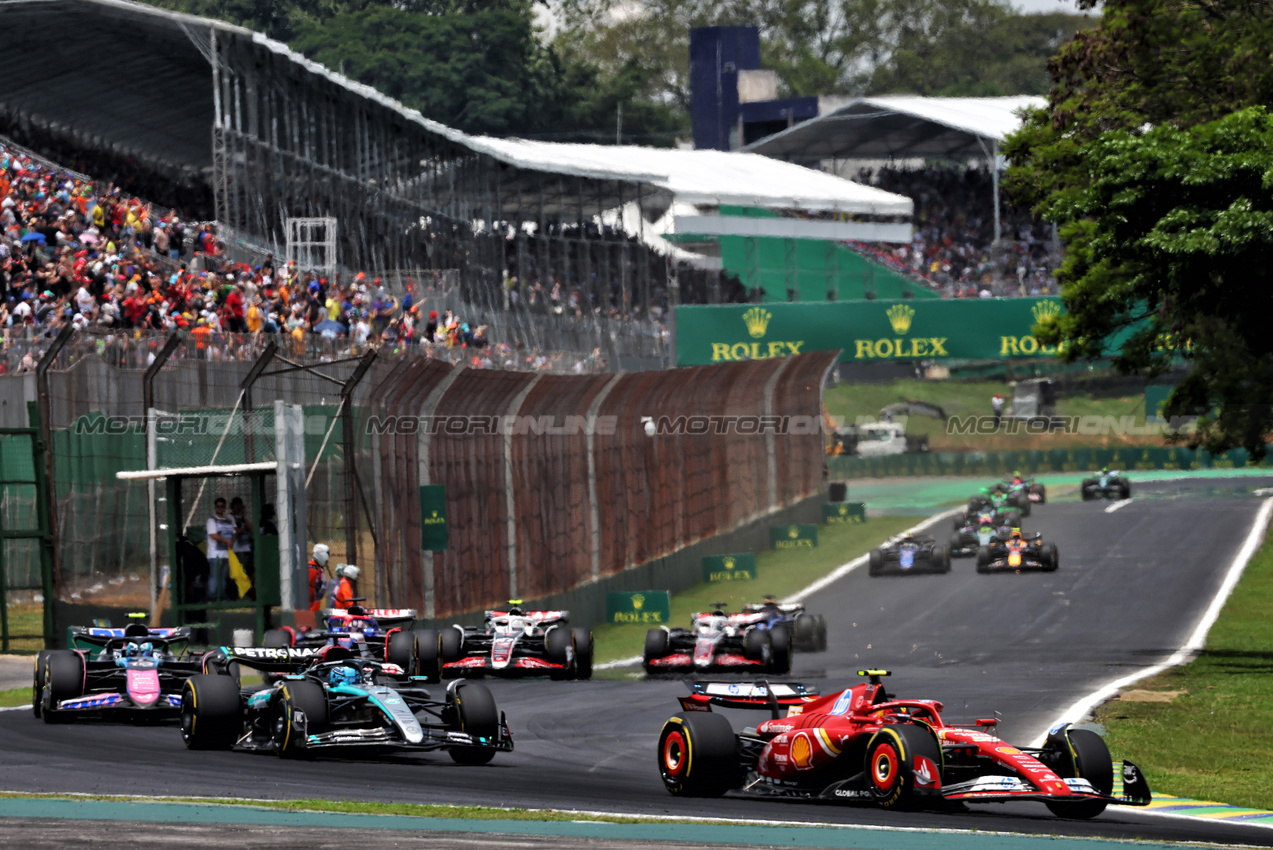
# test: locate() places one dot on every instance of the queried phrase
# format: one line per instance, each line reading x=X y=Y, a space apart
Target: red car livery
x=861 y=744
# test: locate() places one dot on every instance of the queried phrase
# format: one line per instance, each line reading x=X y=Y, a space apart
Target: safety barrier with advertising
x=1033 y=461
x=643 y=607
x=843 y=513
x=865 y=331
x=797 y=536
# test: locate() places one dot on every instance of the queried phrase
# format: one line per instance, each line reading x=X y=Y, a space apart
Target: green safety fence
x=1033 y=461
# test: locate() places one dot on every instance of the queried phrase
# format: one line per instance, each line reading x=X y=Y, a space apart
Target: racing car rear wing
x=758 y=695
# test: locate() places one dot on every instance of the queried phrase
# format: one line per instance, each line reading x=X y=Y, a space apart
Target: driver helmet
x=1104 y=470
x=343 y=676
x=908 y=538
x=130 y=649
x=145 y=648
x=1015 y=534
x=321 y=554
x=515 y=607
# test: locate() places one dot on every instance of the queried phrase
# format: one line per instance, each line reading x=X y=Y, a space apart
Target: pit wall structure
x=564 y=517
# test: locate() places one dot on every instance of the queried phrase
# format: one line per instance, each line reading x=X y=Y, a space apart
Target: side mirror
x=987 y=721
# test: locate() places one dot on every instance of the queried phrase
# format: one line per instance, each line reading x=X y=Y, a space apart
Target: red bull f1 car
x=329 y=698
x=134 y=672
x=510 y=643
x=1018 y=553
x=718 y=641
x=863 y=745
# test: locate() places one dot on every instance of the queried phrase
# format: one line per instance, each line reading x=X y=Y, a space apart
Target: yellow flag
x=239 y=575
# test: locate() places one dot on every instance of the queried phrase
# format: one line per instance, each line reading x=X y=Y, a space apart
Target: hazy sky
x=1047 y=6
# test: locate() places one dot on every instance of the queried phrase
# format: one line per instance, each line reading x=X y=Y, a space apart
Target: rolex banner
x=737 y=567
x=865 y=331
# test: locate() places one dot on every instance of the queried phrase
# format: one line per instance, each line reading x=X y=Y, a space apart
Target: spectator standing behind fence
x=243 y=544
x=996 y=404
x=220 y=530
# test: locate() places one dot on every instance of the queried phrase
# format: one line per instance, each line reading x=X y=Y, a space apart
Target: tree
x=1168 y=258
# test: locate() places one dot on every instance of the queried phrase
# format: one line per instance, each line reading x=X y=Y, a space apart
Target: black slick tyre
x=983 y=559
x=656 y=646
x=63 y=679
x=1042 y=491
x=891 y=775
x=698 y=756
x=1051 y=557
x=37 y=684
x=295 y=697
x=941 y=555
x=822 y=633
x=583 y=652
x=452 y=645
x=1088 y=759
x=475 y=713
x=806 y=633
x=956 y=542
x=211 y=712
x=400 y=650
x=757 y=645
x=875 y=562
x=557 y=649
x=780 y=650
x=428 y=655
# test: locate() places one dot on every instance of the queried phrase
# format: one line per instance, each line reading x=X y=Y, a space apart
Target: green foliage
x=951 y=47
x=1167 y=230
x=983 y=50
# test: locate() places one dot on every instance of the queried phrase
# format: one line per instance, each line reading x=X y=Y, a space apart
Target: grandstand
x=231 y=126
x=961 y=244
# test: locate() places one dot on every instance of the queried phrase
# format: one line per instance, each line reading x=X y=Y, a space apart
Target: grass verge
x=17 y=696
x=973 y=398
x=1201 y=730
x=779 y=573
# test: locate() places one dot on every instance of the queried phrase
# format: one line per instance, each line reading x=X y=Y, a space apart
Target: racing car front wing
x=434 y=738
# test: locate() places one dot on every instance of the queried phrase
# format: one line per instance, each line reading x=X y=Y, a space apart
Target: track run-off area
x=1133 y=586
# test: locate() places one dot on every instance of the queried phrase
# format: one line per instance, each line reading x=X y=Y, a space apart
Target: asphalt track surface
x=1130 y=589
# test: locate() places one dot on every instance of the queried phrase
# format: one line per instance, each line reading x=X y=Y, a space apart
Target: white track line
x=835 y=575
x=16 y=708
x=1197 y=640
x=1121 y=503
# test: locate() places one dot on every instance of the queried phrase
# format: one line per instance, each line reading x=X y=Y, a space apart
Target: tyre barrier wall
x=537 y=513
x=1033 y=461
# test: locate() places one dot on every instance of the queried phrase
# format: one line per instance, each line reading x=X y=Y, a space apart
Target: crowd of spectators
x=953 y=248
x=82 y=252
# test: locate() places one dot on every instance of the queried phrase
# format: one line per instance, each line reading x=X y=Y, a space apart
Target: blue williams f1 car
x=129 y=673
x=328 y=699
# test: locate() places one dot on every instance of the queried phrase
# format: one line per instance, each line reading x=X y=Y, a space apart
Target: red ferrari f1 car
x=863 y=745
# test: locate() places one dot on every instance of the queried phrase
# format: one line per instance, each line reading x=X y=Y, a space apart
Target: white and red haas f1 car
x=718 y=641
x=863 y=745
x=510 y=643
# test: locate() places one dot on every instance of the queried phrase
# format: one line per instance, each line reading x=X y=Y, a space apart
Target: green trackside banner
x=799 y=536
x=865 y=331
x=433 y=537
x=843 y=513
x=645 y=607
x=722 y=568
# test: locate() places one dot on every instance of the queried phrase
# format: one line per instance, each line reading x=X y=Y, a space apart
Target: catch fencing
x=537 y=505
